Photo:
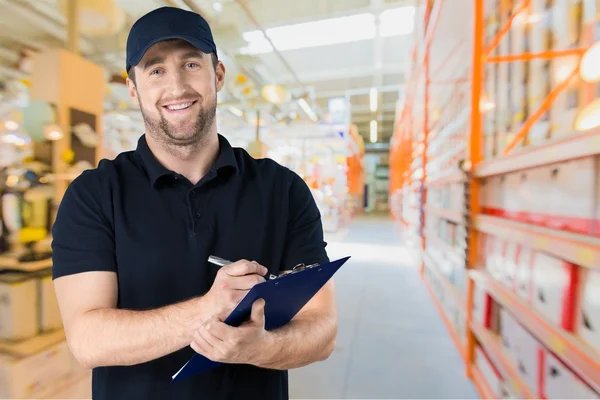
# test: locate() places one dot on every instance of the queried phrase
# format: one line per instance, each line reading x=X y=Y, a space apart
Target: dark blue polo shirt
x=156 y=230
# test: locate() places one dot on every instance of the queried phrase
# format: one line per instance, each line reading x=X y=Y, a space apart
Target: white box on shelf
x=510 y=265
x=49 y=313
x=497 y=260
x=538 y=87
x=528 y=354
x=588 y=309
x=36 y=375
x=508 y=334
x=559 y=382
x=554 y=289
x=573 y=196
x=488 y=370
x=524 y=280
x=512 y=202
x=18 y=306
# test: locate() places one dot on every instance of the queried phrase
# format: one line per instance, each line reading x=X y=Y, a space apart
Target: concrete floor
x=392 y=343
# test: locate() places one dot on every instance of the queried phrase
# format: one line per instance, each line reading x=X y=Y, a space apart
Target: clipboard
x=284 y=295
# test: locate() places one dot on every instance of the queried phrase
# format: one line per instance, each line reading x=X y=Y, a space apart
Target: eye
x=155 y=71
x=191 y=65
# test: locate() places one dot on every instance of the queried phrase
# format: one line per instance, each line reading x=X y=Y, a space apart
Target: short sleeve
x=304 y=238
x=82 y=236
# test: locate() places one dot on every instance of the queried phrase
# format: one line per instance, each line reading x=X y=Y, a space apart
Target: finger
x=244 y=267
x=258 y=312
x=245 y=282
x=201 y=346
x=221 y=331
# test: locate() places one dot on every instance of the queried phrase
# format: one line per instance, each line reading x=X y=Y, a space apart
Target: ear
x=132 y=92
x=220 y=75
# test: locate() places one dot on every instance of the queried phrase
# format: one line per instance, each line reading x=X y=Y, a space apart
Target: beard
x=192 y=133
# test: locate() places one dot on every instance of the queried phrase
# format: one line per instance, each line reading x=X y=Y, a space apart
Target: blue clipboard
x=284 y=297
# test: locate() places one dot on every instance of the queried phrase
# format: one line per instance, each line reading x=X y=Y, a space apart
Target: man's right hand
x=231 y=284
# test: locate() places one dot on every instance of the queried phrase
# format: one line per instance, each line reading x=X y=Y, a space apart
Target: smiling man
x=132 y=238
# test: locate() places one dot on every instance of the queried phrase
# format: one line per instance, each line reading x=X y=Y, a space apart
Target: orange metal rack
x=409 y=159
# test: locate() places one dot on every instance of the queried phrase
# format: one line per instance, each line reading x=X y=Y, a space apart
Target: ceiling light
x=308 y=110
x=373 y=99
x=11 y=125
x=348 y=29
x=236 y=111
x=590 y=64
x=588 y=117
x=373 y=131
x=217 y=6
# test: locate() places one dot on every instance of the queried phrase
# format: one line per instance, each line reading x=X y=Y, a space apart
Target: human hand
x=231 y=284
x=220 y=342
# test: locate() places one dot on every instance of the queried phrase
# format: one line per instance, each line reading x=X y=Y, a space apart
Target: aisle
x=409 y=355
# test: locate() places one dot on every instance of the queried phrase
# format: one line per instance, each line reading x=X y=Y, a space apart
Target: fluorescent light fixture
x=217 y=6
x=236 y=111
x=589 y=117
x=373 y=131
x=11 y=125
x=373 y=98
x=590 y=64
x=307 y=109
x=352 y=28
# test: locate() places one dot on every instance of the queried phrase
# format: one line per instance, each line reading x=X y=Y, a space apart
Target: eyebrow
x=153 y=61
x=159 y=59
x=192 y=54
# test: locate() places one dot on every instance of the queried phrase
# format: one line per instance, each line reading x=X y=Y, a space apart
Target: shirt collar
x=155 y=170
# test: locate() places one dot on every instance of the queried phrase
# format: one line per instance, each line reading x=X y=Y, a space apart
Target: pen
x=221 y=262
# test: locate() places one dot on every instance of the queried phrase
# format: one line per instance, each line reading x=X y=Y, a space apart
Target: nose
x=176 y=84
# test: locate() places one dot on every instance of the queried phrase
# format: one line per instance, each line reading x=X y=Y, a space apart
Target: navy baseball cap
x=168 y=23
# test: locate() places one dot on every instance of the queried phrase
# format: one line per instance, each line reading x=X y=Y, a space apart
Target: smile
x=179 y=107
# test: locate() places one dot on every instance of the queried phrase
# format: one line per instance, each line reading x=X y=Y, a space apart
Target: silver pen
x=221 y=262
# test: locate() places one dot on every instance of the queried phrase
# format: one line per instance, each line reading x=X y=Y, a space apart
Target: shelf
x=451 y=215
x=577 y=146
x=454 y=177
x=579 y=249
x=580 y=357
x=455 y=293
x=493 y=348
x=485 y=392
x=453 y=252
x=457 y=342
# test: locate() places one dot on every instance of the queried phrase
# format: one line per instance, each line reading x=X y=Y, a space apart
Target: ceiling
x=318 y=73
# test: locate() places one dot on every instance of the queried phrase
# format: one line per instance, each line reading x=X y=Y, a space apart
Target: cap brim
x=198 y=43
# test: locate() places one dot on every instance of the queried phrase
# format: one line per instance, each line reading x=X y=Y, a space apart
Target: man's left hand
x=220 y=342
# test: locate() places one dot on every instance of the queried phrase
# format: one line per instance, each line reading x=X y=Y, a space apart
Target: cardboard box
x=488 y=370
x=483 y=307
x=49 y=313
x=509 y=276
x=559 y=382
x=508 y=331
x=567 y=23
x=588 y=309
x=572 y=198
x=512 y=202
x=78 y=387
x=524 y=279
x=528 y=353
x=18 y=306
x=554 y=290
x=44 y=366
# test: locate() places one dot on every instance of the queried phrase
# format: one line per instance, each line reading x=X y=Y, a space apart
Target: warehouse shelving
x=446 y=149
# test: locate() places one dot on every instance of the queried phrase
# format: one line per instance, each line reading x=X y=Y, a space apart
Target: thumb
x=258 y=312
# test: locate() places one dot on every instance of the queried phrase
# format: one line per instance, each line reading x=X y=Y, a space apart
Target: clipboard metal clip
x=297 y=268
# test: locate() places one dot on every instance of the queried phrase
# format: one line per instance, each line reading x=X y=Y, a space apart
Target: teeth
x=179 y=106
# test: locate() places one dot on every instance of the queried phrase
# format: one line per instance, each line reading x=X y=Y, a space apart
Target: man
x=132 y=239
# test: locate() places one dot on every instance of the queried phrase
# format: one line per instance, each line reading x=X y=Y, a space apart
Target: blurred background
x=451 y=146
